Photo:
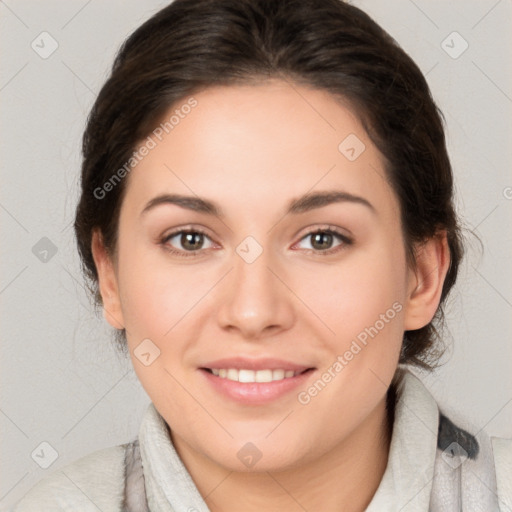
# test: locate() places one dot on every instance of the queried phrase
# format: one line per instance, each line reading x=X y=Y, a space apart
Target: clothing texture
x=434 y=465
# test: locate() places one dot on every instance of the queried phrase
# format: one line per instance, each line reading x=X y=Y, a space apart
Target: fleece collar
x=433 y=465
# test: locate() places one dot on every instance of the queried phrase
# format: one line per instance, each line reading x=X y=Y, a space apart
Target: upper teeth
x=253 y=376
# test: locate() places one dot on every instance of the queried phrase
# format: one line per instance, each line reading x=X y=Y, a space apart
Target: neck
x=344 y=479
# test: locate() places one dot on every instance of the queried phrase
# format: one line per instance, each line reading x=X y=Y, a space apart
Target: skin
x=252 y=149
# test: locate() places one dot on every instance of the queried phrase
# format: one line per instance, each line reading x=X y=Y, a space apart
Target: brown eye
x=191 y=240
x=186 y=242
x=322 y=240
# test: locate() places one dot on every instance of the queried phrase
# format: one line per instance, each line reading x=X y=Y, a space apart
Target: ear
x=425 y=281
x=107 y=281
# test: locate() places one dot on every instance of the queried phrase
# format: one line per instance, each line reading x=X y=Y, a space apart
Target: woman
x=266 y=218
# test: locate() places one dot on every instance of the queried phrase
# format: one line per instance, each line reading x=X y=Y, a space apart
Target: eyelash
x=330 y=230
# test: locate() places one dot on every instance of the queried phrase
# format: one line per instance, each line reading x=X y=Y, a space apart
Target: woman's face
x=256 y=295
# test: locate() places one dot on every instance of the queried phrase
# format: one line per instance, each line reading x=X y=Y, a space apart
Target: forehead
x=258 y=144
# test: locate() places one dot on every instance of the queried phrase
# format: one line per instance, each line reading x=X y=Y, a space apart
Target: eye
x=321 y=241
x=191 y=241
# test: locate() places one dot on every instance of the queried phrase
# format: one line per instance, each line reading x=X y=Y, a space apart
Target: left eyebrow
x=302 y=204
x=319 y=199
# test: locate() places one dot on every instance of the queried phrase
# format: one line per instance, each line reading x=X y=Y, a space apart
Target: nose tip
x=254 y=301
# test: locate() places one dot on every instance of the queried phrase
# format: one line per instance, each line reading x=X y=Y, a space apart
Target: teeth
x=253 y=376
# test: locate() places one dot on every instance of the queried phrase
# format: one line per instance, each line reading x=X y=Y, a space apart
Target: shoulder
x=502 y=449
x=480 y=465
x=467 y=460
x=93 y=482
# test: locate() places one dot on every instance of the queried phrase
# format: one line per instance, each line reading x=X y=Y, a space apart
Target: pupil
x=187 y=240
x=319 y=237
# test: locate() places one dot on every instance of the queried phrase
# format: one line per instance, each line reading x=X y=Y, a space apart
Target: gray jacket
x=434 y=465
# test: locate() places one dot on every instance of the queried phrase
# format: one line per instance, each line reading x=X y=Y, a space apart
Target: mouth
x=248 y=376
x=255 y=382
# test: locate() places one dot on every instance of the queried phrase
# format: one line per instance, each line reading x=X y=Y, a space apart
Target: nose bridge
x=251 y=272
x=255 y=299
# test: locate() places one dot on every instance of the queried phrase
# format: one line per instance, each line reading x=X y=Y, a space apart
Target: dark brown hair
x=330 y=45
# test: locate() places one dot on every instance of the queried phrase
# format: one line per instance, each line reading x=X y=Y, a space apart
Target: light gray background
x=62 y=382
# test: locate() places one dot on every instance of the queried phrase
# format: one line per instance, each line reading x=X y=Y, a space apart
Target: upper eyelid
x=345 y=239
x=326 y=227
x=310 y=231
x=179 y=231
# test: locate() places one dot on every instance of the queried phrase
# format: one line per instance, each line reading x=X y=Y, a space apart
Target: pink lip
x=242 y=363
x=255 y=393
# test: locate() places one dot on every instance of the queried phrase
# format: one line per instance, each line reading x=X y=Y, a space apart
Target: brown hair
x=326 y=44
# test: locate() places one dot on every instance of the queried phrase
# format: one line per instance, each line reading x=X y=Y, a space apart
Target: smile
x=266 y=382
x=245 y=375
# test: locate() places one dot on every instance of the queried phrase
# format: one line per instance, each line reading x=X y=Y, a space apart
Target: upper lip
x=241 y=363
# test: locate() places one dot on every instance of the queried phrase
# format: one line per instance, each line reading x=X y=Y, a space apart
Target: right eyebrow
x=189 y=202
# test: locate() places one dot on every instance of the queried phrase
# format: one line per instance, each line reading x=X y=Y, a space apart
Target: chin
x=257 y=456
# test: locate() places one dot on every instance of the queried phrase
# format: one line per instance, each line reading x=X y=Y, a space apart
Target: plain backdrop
x=65 y=391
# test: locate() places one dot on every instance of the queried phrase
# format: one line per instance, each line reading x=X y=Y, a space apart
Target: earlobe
x=425 y=283
x=107 y=282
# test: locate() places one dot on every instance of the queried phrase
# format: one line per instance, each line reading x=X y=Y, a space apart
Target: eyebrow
x=302 y=204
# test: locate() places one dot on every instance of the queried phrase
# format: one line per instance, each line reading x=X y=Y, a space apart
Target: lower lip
x=256 y=393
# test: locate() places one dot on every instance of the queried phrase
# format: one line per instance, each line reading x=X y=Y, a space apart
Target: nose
x=255 y=302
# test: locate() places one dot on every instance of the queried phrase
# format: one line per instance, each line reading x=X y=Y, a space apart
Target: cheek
x=362 y=302
x=353 y=295
x=155 y=295
x=158 y=304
